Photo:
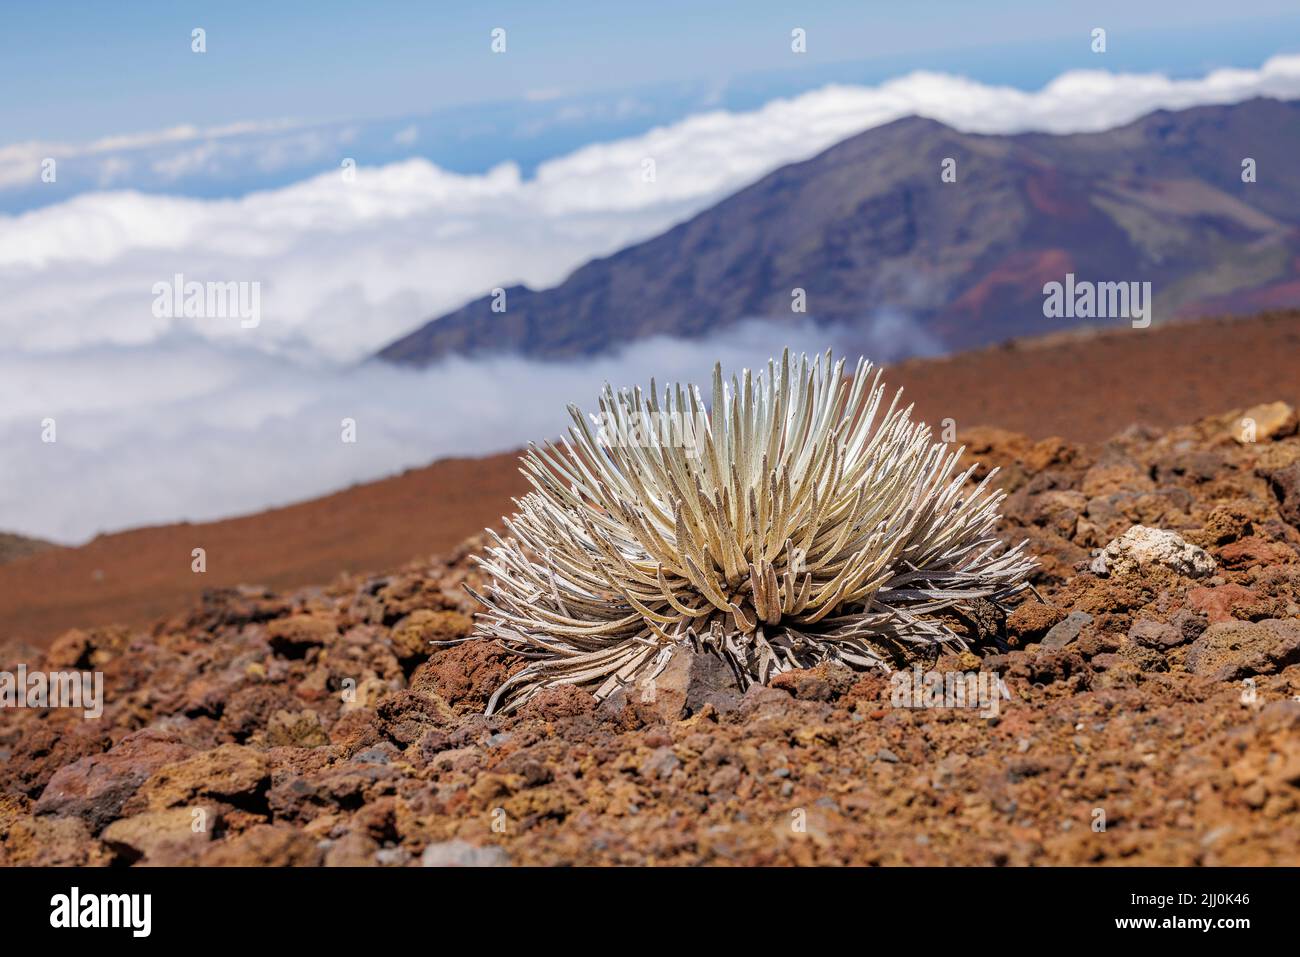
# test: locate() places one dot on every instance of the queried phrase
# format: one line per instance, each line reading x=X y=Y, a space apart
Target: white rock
x=458 y=853
x=1141 y=547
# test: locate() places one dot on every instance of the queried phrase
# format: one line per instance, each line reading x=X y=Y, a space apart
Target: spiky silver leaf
x=789 y=522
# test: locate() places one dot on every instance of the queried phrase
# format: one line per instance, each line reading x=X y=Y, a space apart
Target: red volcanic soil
x=134 y=577
x=1083 y=388
x=1147 y=711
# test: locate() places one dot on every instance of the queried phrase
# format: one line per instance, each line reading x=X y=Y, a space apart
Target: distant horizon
x=198 y=152
x=167 y=412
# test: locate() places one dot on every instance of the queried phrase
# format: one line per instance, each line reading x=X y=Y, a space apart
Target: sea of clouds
x=162 y=419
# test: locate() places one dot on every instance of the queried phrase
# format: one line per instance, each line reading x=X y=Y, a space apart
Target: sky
x=117 y=94
x=91 y=69
x=472 y=170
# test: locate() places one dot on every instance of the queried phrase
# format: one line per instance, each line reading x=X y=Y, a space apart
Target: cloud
x=346 y=265
x=20 y=163
x=183 y=429
x=181 y=418
x=577 y=112
x=407 y=135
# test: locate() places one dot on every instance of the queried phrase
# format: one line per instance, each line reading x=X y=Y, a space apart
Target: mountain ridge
x=868 y=229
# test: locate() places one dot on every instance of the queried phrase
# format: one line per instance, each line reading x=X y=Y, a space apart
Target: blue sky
x=89 y=69
x=387 y=80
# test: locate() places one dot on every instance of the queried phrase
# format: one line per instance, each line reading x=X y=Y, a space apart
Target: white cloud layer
x=348 y=263
x=186 y=429
x=162 y=419
x=184 y=150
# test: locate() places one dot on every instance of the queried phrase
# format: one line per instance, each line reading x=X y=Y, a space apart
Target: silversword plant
x=807 y=526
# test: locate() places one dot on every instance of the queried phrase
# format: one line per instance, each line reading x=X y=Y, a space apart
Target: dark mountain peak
x=870 y=227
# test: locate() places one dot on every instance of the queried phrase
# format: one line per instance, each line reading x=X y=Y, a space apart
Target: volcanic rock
x=1141 y=547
